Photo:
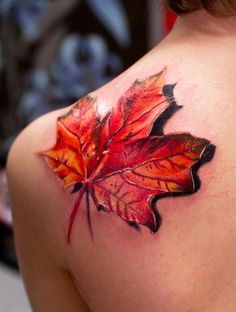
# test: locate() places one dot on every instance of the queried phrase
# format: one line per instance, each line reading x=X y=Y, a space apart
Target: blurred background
x=53 y=52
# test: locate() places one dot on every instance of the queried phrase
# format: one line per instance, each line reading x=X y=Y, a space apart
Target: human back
x=188 y=263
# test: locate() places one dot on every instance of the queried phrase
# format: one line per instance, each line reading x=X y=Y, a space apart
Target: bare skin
x=189 y=265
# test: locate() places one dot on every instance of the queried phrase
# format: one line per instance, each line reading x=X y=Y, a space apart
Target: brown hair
x=214 y=7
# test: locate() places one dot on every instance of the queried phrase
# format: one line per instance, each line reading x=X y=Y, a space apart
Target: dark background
x=48 y=59
x=22 y=53
x=53 y=52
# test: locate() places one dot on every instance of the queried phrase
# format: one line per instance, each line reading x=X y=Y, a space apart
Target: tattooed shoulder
x=123 y=161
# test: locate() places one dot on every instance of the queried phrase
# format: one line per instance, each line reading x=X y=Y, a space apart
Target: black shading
x=206 y=157
x=134 y=225
x=102 y=208
x=76 y=187
x=157 y=215
x=160 y=122
x=168 y=90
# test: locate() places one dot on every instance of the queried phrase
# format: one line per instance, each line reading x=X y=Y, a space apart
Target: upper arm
x=37 y=235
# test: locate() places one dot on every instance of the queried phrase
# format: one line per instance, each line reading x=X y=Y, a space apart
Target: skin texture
x=190 y=264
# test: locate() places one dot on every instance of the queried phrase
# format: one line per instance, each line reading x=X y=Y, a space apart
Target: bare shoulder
x=27 y=180
x=38 y=128
x=141 y=139
x=38 y=241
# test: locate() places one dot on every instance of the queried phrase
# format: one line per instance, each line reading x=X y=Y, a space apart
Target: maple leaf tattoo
x=123 y=161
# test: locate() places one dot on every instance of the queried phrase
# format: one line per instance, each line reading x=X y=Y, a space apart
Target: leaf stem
x=74 y=212
x=88 y=212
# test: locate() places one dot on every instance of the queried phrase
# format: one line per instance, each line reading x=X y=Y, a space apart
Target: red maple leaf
x=118 y=160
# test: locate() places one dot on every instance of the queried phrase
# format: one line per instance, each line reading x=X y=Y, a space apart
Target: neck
x=201 y=24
